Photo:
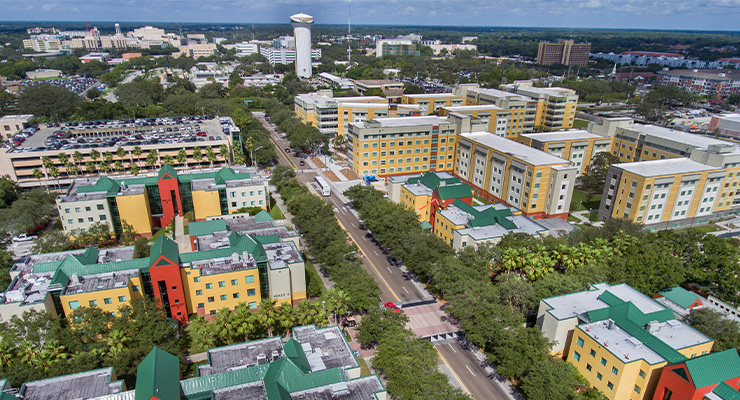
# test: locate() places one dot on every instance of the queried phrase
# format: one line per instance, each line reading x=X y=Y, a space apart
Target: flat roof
x=671 y=166
x=83 y=385
x=716 y=74
x=498 y=93
x=578 y=134
x=104 y=281
x=481 y=107
x=13 y=117
x=690 y=139
x=377 y=82
x=325 y=348
x=404 y=121
x=281 y=254
x=242 y=355
x=620 y=343
x=515 y=149
x=423 y=95
x=574 y=304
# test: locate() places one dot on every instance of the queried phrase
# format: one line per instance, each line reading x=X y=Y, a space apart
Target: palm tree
x=51 y=353
x=62 y=157
x=210 y=155
x=77 y=156
x=118 y=166
x=54 y=172
x=224 y=325
x=201 y=332
x=267 y=314
x=168 y=159
x=71 y=168
x=197 y=155
x=223 y=152
x=104 y=168
x=239 y=157
x=182 y=157
x=286 y=317
x=90 y=167
x=249 y=145
x=121 y=153
x=134 y=170
x=337 y=302
x=151 y=158
x=38 y=175
x=108 y=157
x=137 y=152
x=8 y=355
x=245 y=320
x=94 y=155
x=28 y=353
x=306 y=312
x=116 y=341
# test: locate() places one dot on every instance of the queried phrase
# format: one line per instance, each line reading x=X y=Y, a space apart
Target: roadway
x=393 y=285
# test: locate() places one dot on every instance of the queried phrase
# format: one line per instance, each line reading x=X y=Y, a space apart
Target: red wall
x=169 y=272
x=683 y=390
x=167 y=184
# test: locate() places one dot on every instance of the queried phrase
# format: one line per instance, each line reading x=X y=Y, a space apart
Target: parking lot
x=123 y=132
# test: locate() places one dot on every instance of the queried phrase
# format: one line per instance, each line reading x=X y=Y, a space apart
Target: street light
x=345 y=256
x=251 y=152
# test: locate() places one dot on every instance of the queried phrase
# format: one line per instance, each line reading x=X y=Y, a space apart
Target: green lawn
x=580 y=123
x=364 y=369
x=157 y=235
x=704 y=228
x=579 y=197
x=276 y=212
x=314 y=284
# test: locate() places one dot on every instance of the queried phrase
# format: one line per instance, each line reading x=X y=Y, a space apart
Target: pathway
x=182 y=240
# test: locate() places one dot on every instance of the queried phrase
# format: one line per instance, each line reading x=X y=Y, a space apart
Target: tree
x=168 y=159
x=286 y=317
x=151 y=158
x=245 y=320
x=223 y=152
x=202 y=337
x=551 y=379
x=93 y=93
x=377 y=323
x=595 y=177
x=47 y=101
x=38 y=175
x=224 y=325
x=10 y=191
x=197 y=155
x=134 y=170
x=267 y=315
x=210 y=155
x=90 y=167
x=77 y=157
x=118 y=166
x=182 y=157
x=724 y=331
x=121 y=153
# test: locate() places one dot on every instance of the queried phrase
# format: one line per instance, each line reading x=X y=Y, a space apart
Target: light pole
x=251 y=153
x=345 y=256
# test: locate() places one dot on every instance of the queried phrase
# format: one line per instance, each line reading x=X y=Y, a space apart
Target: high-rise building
x=302 y=31
x=564 y=52
x=395 y=47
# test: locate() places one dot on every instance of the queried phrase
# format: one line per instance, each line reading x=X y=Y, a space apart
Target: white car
x=24 y=238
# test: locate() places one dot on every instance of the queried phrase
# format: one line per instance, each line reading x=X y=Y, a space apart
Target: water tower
x=302 y=31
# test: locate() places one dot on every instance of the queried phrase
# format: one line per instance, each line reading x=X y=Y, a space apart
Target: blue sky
x=650 y=14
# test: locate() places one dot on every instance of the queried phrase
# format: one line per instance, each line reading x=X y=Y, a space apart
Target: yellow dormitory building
x=668 y=178
x=432 y=102
x=241 y=269
x=577 y=146
x=332 y=115
x=618 y=338
x=556 y=106
x=402 y=145
x=502 y=170
x=501 y=122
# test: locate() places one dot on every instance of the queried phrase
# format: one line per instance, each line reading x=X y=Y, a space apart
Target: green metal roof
x=426 y=225
x=238 y=243
x=164 y=246
x=294 y=351
x=158 y=376
x=267 y=239
x=454 y=191
x=203 y=386
x=203 y=228
x=431 y=180
x=104 y=184
x=284 y=377
x=489 y=216
x=228 y=174
x=726 y=392
x=681 y=296
x=167 y=169
x=263 y=216
x=713 y=368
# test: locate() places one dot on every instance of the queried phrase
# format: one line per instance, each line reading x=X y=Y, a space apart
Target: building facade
x=555 y=106
x=395 y=47
x=714 y=83
x=577 y=146
x=565 y=52
x=432 y=102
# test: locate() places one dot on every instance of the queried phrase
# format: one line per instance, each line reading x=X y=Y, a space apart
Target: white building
x=302 y=31
x=244 y=49
x=284 y=56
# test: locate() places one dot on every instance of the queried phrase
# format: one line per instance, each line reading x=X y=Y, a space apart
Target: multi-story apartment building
x=402 y=145
x=619 y=339
x=395 y=47
x=556 y=106
x=59 y=166
x=564 y=52
x=577 y=146
x=241 y=270
x=714 y=83
x=432 y=102
x=315 y=363
x=522 y=109
x=502 y=122
x=502 y=170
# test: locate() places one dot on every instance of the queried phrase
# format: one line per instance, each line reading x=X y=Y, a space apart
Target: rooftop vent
x=652 y=326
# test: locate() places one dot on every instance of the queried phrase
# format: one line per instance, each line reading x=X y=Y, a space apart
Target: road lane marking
x=471 y=371
x=353 y=225
x=404 y=288
x=398 y=299
x=376 y=253
x=452 y=348
x=389 y=270
x=363 y=238
x=453 y=372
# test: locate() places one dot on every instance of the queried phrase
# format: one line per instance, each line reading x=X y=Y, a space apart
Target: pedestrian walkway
x=182 y=240
x=582 y=216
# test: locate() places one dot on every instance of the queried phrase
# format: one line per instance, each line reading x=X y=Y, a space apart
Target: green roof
x=202 y=387
x=454 y=191
x=203 y=228
x=104 y=184
x=167 y=169
x=228 y=174
x=726 y=392
x=681 y=296
x=431 y=180
x=426 y=225
x=158 y=375
x=284 y=377
x=294 y=351
x=238 y=243
x=489 y=216
x=267 y=239
x=164 y=246
x=628 y=317
x=713 y=368
x=263 y=216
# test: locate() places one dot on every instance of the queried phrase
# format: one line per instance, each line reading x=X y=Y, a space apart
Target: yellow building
x=504 y=171
x=396 y=146
x=555 y=106
x=576 y=146
x=522 y=108
x=417 y=191
x=505 y=122
x=432 y=102
x=625 y=341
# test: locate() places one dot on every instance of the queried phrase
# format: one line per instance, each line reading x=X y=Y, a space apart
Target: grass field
x=276 y=213
x=580 y=124
x=705 y=228
x=579 y=203
x=364 y=369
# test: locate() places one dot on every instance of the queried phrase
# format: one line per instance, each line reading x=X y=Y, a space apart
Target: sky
x=627 y=14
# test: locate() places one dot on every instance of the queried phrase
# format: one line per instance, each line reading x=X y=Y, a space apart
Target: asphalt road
x=393 y=286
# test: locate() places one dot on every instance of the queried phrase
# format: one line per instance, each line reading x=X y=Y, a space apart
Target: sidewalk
x=582 y=216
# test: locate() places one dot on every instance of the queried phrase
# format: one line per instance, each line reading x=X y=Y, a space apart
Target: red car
x=390 y=305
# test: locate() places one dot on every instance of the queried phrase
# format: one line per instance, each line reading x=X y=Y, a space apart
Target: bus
x=323 y=186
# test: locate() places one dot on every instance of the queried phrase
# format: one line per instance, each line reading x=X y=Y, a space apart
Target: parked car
x=393 y=307
x=24 y=238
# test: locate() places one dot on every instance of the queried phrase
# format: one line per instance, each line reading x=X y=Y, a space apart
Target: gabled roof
x=203 y=228
x=681 y=296
x=486 y=217
x=431 y=180
x=238 y=244
x=103 y=184
x=158 y=376
x=454 y=191
x=726 y=392
x=295 y=353
x=168 y=170
x=164 y=246
x=267 y=239
x=263 y=216
x=227 y=174
x=713 y=368
x=284 y=377
x=426 y=225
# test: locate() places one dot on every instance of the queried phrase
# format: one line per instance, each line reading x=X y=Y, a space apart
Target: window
x=667 y=394
x=579 y=342
x=615 y=371
x=198 y=292
x=592 y=353
x=74 y=304
x=88 y=209
x=223 y=297
x=93 y=303
x=80 y=220
x=121 y=299
x=252 y=304
x=251 y=292
x=107 y=300
x=637 y=389
x=588 y=367
x=234 y=282
x=209 y=286
x=235 y=295
x=196 y=279
x=603 y=361
x=250 y=279
x=101 y=207
x=213 y=312
x=211 y=299
x=222 y=284
x=599 y=376
x=610 y=386
x=102 y=217
x=201 y=305
x=577 y=356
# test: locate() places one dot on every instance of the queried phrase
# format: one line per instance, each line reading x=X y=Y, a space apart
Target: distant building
x=391 y=89
x=432 y=102
x=302 y=30
x=564 y=52
x=284 y=55
x=43 y=73
x=100 y=57
x=726 y=126
x=12 y=124
x=578 y=146
x=244 y=49
x=716 y=83
x=335 y=81
x=395 y=47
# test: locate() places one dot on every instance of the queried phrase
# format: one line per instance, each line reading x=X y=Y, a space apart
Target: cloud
x=48 y=6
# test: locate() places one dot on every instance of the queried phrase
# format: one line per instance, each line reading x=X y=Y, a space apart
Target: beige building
x=502 y=170
x=565 y=52
x=556 y=106
x=522 y=109
x=577 y=146
x=432 y=102
x=393 y=90
x=12 y=124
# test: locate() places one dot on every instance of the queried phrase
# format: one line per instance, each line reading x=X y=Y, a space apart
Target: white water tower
x=302 y=31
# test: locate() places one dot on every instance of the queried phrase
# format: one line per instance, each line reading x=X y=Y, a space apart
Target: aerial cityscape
x=396 y=200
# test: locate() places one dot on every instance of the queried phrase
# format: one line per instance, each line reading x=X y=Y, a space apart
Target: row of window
x=211 y=299
x=252 y=305
x=244 y=194
x=87 y=209
x=234 y=282
x=76 y=304
x=102 y=217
